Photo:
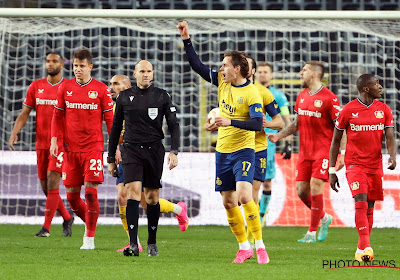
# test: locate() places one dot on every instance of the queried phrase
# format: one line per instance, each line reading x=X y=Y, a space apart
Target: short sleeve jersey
x=365 y=125
x=84 y=105
x=270 y=107
x=282 y=101
x=234 y=103
x=42 y=96
x=316 y=115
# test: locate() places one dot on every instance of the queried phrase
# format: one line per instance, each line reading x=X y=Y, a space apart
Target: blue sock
x=264 y=201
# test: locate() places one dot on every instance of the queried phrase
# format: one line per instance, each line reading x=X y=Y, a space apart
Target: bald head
x=364 y=80
x=119 y=83
x=144 y=74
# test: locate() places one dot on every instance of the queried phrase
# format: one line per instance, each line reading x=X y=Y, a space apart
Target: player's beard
x=304 y=84
x=54 y=72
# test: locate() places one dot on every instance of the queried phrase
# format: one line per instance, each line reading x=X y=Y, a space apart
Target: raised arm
x=205 y=72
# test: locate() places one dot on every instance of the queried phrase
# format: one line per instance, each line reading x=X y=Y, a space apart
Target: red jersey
x=84 y=106
x=316 y=115
x=365 y=126
x=42 y=96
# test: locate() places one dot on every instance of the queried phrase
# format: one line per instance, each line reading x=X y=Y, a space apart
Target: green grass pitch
x=202 y=252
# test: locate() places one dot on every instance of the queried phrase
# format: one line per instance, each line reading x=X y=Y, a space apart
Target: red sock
x=78 y=206
x=307 y=201
x=93 y=211
x=317 y=207
x=62 y=210
x=53 y=197
x=370 y=217
x=362 y=224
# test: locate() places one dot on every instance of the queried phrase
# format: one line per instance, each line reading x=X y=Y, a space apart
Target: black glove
x=287 y=150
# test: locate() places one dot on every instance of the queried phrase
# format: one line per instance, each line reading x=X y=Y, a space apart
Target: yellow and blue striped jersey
x=234 y=103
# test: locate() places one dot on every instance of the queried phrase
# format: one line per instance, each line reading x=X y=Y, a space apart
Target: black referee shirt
x=143 y=111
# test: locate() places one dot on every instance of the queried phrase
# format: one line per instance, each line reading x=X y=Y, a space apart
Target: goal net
x=349 y=44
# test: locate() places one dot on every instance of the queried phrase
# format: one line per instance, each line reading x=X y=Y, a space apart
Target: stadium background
x=117 y=47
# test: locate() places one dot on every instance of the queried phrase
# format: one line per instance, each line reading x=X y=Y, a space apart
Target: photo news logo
x=333 y=264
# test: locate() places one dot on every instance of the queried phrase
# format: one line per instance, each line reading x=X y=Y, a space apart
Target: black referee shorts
x=143 y=162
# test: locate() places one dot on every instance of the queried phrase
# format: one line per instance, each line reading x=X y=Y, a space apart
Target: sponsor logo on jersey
x=40 y=101
x=258 y=109
x=131 y=97
x=228 y=107
x=379 y=114
x=355 y=185
x=218 y=181
x=367 y=127
x=85 y=106
x=93 y=94
x=318 y=103
x=240 y=100
x=153 y=113
x=40 y=90
x=316 y=114
x=69 y=93
x=354 y=115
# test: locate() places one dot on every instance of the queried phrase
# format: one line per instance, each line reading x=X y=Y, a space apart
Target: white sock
x=177 y=209
x=259 y=244
x=244 y=246
x=138 y=242
x=325 y=218
x=312 y=233
x=359 y=251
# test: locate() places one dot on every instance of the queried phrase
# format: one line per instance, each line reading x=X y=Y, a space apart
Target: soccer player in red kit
x=42 y=96
x=83 y=102
x=366 y=121
x=317 y=108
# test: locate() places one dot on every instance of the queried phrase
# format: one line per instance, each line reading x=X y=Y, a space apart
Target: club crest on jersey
x=318 y=103
x=93 y=94
x=355 y=185
x=240 y=100
x=379 y=114
x=40 y=90
x=153 y=113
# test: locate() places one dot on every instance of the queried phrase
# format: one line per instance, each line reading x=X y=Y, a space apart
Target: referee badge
x=153 y=113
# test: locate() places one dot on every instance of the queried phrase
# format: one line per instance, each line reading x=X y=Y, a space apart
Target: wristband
x=342 y=152
x=332 y=170
x=110 y=159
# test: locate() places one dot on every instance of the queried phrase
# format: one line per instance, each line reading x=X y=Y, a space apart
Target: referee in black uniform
x=143 y=107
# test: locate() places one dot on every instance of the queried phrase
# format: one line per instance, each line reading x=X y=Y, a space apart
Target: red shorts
x=83 y=167
x=306 y=169
x=361 y=182
x=45 y=162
